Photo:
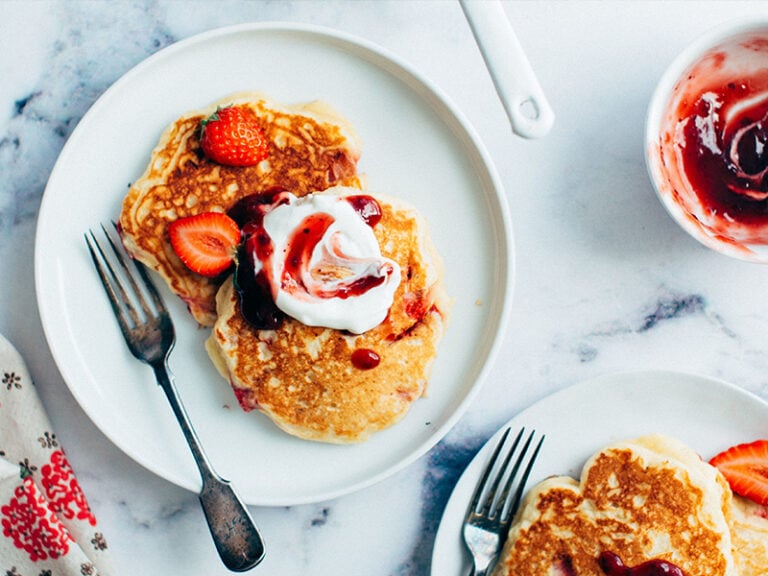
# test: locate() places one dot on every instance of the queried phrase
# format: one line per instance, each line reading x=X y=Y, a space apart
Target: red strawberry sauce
x=612 y=565
x=365 y=359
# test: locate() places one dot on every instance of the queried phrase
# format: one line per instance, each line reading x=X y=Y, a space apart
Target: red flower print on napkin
x=47 y=527
x=63 y=491
x=32 y=525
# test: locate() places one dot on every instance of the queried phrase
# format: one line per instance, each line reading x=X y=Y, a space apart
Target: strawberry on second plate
x=206 y=243
x=745 y=466
x=232 y=136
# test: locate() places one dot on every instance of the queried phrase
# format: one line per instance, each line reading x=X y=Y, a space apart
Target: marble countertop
x=605 y=280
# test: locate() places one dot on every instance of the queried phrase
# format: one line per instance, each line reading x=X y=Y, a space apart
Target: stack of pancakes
x=301 y=376
x=644 y=500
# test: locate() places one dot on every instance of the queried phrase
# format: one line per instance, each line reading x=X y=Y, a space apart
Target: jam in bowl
x=707 y=140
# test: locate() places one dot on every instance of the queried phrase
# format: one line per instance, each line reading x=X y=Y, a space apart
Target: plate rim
x=405 y=73
x=442 y=535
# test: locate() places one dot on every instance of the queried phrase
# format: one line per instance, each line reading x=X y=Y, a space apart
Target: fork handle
x=235 y=535
x=483 y=570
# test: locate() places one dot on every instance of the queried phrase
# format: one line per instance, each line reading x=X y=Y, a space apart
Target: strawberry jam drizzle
x=301 y=245
x=416 y=304
x=245 y=398
x=365 y=359
x=367 y=207
x=612 y=565
x=257 y=304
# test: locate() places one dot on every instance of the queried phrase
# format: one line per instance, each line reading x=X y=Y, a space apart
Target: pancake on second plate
x=646 y=500
x=749 y=532
x=311 y=148
x=312 y=381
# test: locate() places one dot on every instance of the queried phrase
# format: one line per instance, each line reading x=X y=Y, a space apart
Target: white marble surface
x=605 y=281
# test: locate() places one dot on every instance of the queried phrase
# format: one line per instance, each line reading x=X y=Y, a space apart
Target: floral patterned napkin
x=46 y=525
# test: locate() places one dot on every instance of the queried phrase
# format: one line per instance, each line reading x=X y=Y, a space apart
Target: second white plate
x=708 y=415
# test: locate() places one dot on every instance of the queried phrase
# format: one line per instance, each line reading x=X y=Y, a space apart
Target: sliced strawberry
x=745 y=466
x=233 y=136
x=205 y=243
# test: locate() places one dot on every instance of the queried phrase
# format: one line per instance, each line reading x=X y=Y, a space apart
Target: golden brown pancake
x=749 y=532
x=648 y=499
x=304 y=378
x=311 y=148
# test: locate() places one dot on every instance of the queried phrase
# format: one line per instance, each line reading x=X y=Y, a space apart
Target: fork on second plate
x=497 y=498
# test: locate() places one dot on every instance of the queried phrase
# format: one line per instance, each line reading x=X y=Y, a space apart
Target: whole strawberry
x=232 y=136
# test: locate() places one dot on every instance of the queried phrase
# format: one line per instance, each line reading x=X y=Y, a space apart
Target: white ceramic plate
x=708 y=415
x=416 y=145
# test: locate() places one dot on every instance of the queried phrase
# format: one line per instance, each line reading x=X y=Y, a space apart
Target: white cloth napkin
x=46 y=525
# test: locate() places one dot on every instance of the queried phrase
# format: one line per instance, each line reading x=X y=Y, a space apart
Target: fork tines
x=504 y=473
x=113 y=269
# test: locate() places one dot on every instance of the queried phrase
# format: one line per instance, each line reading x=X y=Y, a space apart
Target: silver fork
x=490 y=512
x=149 y=333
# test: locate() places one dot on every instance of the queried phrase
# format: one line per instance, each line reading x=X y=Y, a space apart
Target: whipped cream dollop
x=323 y=264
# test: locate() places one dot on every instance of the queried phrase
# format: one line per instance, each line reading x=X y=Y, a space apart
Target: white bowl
x=732 y=53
